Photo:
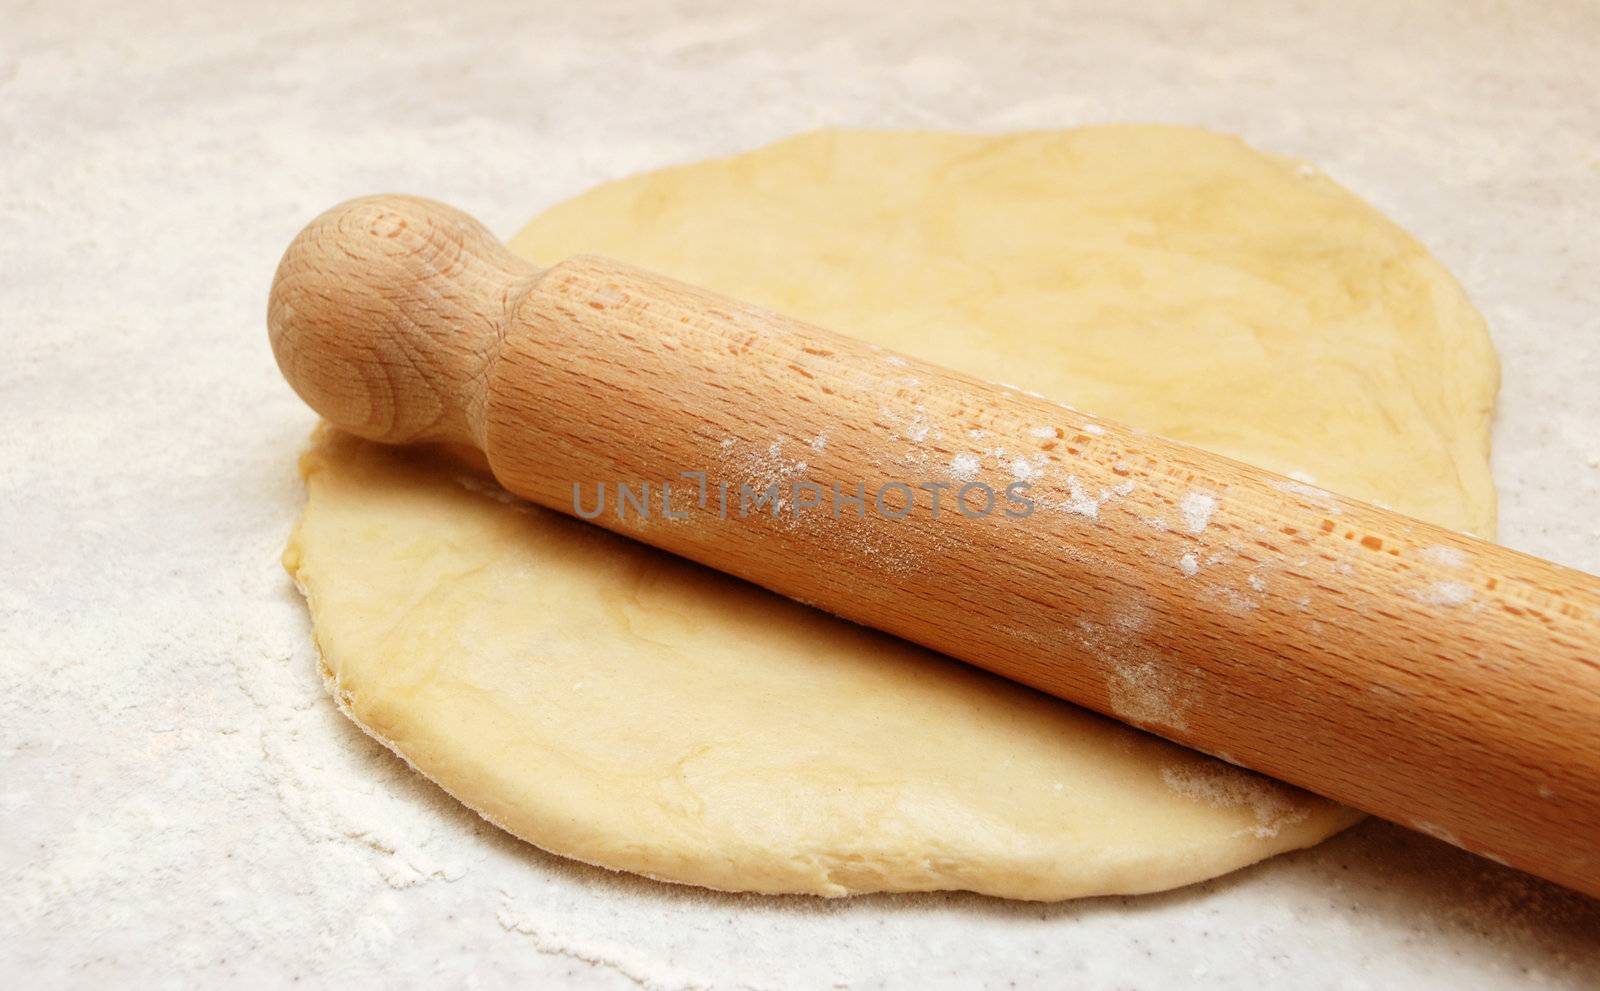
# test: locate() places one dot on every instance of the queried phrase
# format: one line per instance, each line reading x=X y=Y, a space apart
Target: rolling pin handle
x=433 y=289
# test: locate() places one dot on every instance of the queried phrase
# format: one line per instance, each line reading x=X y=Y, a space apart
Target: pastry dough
x=614 y=704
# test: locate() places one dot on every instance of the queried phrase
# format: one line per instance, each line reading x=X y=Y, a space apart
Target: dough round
x=626 y=708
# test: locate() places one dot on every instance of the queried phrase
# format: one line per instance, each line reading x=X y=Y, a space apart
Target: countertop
x=181 y=801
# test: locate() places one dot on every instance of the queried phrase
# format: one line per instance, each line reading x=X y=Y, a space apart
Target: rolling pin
x=1436 y=680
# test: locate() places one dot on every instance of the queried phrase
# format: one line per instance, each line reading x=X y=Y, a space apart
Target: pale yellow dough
x=616 y=705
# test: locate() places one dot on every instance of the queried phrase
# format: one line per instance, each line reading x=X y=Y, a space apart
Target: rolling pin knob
x=385 y=313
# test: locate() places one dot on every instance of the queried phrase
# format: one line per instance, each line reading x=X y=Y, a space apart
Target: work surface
x=183 y=803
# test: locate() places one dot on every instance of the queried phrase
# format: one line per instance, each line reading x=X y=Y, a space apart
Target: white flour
x=1446 y=557
x=964 y=467
x=1197 y=507
x=1448 y=594
x=184 y=806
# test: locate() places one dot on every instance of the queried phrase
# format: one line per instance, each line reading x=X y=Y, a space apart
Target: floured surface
x=625 y=709
x=182 y=802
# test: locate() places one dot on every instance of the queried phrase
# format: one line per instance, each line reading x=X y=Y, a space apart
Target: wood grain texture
x=1427 y=677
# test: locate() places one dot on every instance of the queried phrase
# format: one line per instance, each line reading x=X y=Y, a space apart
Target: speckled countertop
x=182 y=803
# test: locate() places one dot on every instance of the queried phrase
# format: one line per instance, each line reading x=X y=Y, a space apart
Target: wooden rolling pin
x=1427 y=677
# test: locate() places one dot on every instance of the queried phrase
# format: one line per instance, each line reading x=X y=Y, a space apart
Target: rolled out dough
x=623 y=707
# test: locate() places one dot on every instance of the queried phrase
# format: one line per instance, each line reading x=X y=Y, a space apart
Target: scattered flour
x=1093 y=429
x=1230 y=598
x=762 y=468
x=1448 y=557
x=1197 y=508
x=1448 y=594
x=1141 y=694
x=964 y=467
x=1079 y=501
x=1322 y=497
x=1189 y=565
x=550 y=933
x=916 y=427
x=1141 y=685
